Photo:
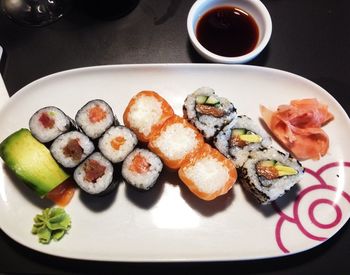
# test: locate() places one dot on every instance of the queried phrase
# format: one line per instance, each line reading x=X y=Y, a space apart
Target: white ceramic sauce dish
x=254 y=8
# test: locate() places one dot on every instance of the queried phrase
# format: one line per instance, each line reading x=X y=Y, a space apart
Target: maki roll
x=94 y=118
x=240 y=137
x=175 y=141
x=48 y=123
x=141 y=168
x=116 y=143
x=146 y=113
x=71 y=148
x=208 y=174
x=269 y=173
x=208 y=112
x=95 y=175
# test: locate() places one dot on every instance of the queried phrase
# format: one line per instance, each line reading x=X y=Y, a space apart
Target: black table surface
x=309 y=38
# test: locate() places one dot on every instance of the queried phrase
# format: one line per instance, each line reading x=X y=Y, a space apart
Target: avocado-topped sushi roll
x=146 y=113
x=240 y=137
x=208 y=174
x=71 y=148
x=269 y=173
x=141 y=168
x=94 y=118
x=208 y=112
x=176 y=140
x=48 y=123
x=116 y=143
x=95 y=175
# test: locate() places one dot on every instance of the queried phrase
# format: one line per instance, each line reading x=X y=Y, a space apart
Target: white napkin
x=4 y=96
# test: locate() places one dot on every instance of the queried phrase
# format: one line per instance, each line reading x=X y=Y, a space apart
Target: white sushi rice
x=57 y=148
x=176 y=141
x=145 y=113
x=142 y=180
x=101 y=183
x=96 y=129
x=117 y=155
x=208 y=174
x=61 y=125
x=266 y=190
x=208 y=125
x=237 y=154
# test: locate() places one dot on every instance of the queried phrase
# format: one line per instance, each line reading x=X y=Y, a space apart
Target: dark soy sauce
x=227 y=31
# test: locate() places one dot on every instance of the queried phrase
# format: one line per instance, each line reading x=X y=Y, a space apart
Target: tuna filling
x=93 y=170
x=46 y=121
x=73 y=149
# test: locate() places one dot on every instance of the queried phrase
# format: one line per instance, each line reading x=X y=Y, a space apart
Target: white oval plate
x=168 y=223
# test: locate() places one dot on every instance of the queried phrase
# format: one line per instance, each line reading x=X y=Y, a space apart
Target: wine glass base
x=35 y=13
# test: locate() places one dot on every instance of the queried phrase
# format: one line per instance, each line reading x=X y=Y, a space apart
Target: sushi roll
x=94 y=118
x=269 y=173
x=208 y=112
x=146 y=113
x=48 y=123
x=240 y=137
x=175 y=141
x=95 y=175
x=71 y=148
x=208 y=174
x=141 y=168
x=116 y=143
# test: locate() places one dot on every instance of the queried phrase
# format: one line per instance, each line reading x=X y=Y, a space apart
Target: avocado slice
x=285 y=170
x=246 y=135
x=32 y=162
x=281 y=169
x=252 y=138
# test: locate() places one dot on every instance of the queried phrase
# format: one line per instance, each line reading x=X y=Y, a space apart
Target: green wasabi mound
x=53 y=223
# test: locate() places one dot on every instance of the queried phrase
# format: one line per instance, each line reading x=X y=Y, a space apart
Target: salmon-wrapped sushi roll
x=146 y=113
x=208 y=174
x=175 y=141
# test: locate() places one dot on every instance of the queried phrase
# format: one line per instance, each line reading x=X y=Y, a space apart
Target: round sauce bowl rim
x=261 y=16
